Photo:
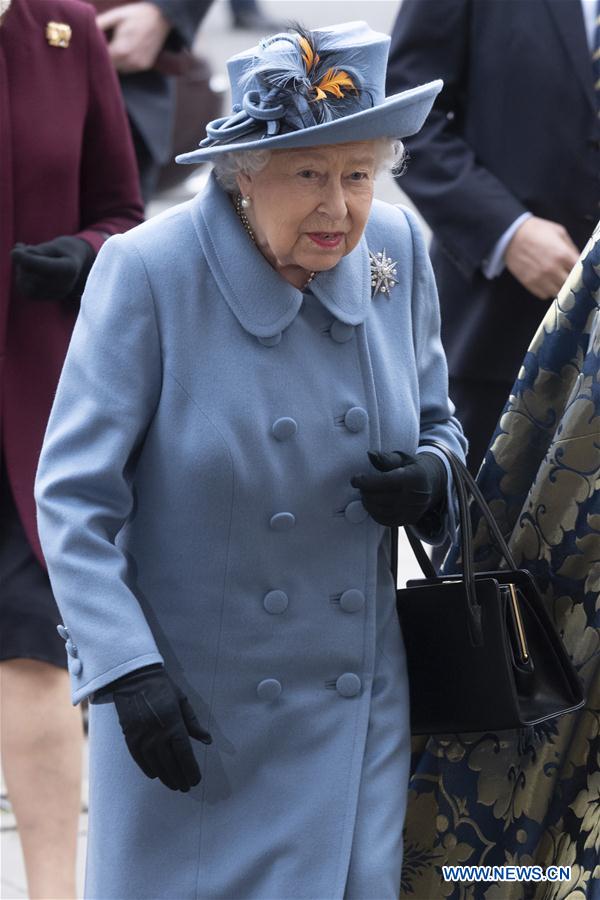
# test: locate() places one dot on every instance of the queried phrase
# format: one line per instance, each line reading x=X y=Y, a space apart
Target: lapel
x=567 y=16
x=263 y=302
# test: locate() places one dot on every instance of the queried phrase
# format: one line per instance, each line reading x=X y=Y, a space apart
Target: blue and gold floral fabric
x=532 y=797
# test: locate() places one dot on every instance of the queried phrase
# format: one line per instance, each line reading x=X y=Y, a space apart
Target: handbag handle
x=460 y=472
x=474 y=609
x=464 y=484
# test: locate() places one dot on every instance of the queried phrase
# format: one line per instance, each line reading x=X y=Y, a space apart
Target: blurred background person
x=147 y=43
x=68 y=180
x=248 y=14
x=505 y=172
x=531 y=797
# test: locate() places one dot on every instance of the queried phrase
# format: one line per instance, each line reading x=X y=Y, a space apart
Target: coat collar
x=262 y=301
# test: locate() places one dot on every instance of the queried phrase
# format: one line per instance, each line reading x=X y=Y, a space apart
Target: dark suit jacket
x=514 y=129
x=66 y=167
x=150 y=96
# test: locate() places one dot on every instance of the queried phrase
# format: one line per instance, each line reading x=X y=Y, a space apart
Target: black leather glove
x=157 y=720
x=405 y=487
x=55 y=270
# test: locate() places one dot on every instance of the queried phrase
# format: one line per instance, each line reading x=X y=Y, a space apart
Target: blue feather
x=281 y=73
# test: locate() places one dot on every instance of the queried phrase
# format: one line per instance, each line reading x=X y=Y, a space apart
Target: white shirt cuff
x=493 y=265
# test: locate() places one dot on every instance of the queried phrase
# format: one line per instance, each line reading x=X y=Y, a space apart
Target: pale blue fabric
x=159 y=481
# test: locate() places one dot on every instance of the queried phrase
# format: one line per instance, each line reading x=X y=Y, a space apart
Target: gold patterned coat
x=532 y=797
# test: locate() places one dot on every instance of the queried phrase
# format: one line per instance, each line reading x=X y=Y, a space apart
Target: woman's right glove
x=157 y=720
x=404 y=489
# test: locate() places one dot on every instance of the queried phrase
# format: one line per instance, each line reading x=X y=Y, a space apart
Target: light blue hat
x=304 y=88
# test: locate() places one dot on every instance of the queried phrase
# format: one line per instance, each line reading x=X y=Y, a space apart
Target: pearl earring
x=246 y=202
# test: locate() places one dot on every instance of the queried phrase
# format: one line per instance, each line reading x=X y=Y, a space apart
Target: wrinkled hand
x=157 y=720
x=540 y=255
x=138 y=32
x=55 y=270
x=404 y=488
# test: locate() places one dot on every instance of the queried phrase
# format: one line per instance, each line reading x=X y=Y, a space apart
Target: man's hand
x=540 y=255
x=138 y=32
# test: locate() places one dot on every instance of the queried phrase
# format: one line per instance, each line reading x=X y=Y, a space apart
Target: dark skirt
x=28 y=612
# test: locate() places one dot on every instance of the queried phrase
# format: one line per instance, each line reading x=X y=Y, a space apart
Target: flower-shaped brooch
x=383 y=273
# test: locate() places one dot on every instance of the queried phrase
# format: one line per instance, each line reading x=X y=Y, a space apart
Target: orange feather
x=332 y=82
x=308 y=54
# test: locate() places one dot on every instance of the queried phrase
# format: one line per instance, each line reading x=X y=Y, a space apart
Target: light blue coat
x=195 y=507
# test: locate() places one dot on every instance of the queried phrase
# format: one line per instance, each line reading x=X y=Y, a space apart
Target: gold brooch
x=58 y=34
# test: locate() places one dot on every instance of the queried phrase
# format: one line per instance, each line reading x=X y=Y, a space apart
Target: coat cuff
x=441 y=523
x=81 y=692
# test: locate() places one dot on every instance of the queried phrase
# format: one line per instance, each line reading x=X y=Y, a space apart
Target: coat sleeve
x=185 y=16
x=110 y=195
x=437 y=421
x=465 y=205
x=106 y=398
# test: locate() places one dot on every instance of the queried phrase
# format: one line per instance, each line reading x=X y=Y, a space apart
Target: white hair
x=389 y=156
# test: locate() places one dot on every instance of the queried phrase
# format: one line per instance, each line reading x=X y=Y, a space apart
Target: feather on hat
x=305 y=88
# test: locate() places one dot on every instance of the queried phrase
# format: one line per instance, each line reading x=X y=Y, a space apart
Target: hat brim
x=398 y=116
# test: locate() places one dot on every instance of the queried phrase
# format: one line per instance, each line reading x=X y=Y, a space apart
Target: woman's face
x=309 y=206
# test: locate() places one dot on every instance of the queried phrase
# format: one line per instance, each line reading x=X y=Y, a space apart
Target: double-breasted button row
x=276 y=602
x=347 y=685
x=340 y=332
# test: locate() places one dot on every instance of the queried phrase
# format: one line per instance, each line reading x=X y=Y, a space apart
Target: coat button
x=64 y=632
x=355 y=512
x=269 y=689
x=352 y=601
x=356 y=419
x=71 y=648
x=270 y=341
x=75 y=666
x=341 y=332
x=276 y=602
x=348 y=685
x=282 y=521
x=284 y=428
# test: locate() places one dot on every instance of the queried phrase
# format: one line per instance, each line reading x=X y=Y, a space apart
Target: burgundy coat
x=67 y=167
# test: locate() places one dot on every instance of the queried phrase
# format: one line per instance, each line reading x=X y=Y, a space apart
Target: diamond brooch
x=383 y=273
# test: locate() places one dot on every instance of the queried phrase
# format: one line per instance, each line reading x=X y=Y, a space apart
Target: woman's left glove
x=405 y=487
x=55 y=270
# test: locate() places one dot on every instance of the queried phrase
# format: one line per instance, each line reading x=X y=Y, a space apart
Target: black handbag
x=482 y=652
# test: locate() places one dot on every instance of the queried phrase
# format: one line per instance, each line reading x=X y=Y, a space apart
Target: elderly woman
x=213 y=525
